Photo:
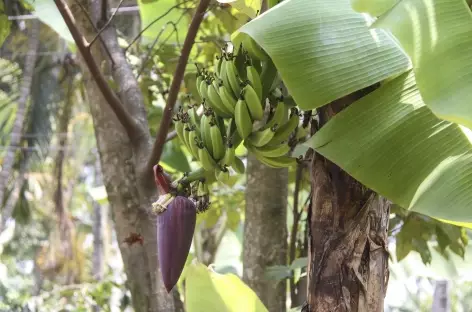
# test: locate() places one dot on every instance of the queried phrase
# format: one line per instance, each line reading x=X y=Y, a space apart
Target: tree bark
x=129 y=196
x=265 y=231
x=348 y=257
x=15 y=192
x=25 y=88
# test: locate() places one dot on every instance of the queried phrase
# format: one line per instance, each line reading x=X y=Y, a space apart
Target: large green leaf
x=391 y=142
x=206 y=290
x=373 y=7
x=324 y=50
x=47 y=12
x=436 y=36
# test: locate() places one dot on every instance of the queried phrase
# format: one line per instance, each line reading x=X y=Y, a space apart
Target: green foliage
x=160 y=15
x=249 y=7
x=414 y=232
x=332 y=54
x=278 y=273
x=47 y=12
x=413 y=158
x=206 y=290
x=5 y=24
x=436 y=36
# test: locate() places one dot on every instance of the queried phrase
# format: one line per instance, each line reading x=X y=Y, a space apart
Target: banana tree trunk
x=265 y=231
x=347 y=245
x=25 y=88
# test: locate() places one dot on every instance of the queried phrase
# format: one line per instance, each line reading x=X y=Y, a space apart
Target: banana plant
x=419 y=154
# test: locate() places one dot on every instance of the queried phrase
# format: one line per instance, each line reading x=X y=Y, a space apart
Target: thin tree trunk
x=265 y=231
x=130 y=198
x=441 y=302
x=348 y=258
x=15 y=193
x=25 y=88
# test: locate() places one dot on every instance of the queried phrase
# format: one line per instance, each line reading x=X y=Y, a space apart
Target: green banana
x=254 y=79
x=227 y=99
x=205 y=131
x=202 y=89
x=261 y=138
x=253 y=49
x=193 y=117
x=243 y=119
x=232 y=134
x=284 y=131
x=215 y=102
x=253 y=102
x=277 y=117
x=218 y=149
x=224 y=77
x=271 y=151
x=278 y=162
x=208 y=163
x=222 y=176
x=238 y=165
x=229 y=156
x=193 y=138
x=218 y=62
x=202 y=189
x=268 y=76
x=231 y=73
x=179 y=128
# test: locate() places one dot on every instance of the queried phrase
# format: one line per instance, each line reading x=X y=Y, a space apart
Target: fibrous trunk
x=348 y=258
x=265 y=232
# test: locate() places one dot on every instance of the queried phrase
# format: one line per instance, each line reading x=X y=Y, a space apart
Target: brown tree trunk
x=265 y=231
x=129 y=196
x=25 y=88
x=348 y=257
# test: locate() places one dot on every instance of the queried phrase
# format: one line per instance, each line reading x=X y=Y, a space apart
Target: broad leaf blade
x=373 y=7
x=47 y=12
x=436 y=36
x=206 y=290
x=324 y=50
x=392 y=143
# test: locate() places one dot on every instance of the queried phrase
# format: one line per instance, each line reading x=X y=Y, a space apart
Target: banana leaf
x=391 y=142
x=324 y=50
x=436 y=36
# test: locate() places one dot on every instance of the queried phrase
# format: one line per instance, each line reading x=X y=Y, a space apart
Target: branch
x=175 y=86
x=107 y=23
x=177 y=6
x=132 y=128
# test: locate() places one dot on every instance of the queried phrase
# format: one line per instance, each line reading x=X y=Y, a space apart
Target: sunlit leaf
x=206 y=290
x=392 y=143
x=5 y=24
x=174 y=157
x=47 y=12
x=248 y=7
x=324 y=50
x=373 y=7
x=436 y=36
x=160 y=15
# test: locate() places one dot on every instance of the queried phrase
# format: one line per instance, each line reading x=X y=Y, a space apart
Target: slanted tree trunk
x=25 y=88
x=265 y=231
x=121 y=158
x=348 y=258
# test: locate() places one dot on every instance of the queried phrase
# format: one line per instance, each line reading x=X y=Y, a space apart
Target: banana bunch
x=240 y=105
